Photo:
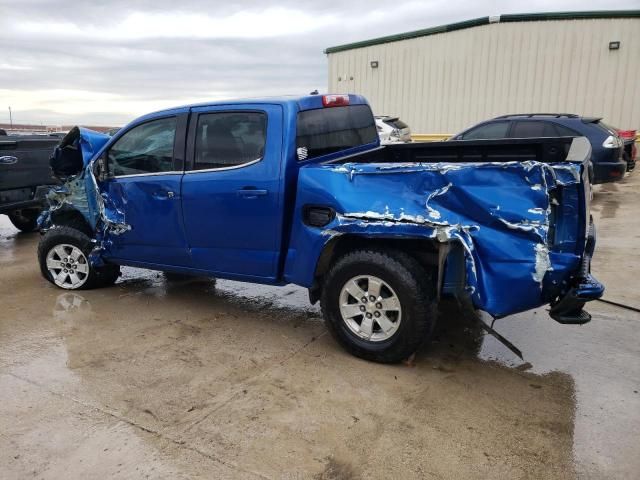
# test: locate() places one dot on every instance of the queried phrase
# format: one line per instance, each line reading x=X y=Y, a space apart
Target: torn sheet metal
x=72 y=163
x=500 y=213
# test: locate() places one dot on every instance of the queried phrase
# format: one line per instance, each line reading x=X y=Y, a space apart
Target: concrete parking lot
x=197 y=379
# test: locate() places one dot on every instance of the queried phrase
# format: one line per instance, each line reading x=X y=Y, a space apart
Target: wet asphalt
x=155 y=378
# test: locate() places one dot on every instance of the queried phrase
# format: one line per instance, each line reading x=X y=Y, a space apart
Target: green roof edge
x=513 y=17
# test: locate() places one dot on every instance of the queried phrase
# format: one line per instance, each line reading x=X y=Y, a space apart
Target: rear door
x=146 y=164
x=231 y=197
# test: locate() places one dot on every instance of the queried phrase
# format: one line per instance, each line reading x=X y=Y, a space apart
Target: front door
x=146 y=167
x=231 y=190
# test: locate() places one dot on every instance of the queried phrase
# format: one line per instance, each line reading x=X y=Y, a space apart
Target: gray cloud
x=187 y=66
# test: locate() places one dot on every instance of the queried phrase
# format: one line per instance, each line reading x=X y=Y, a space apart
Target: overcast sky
x=70 y=61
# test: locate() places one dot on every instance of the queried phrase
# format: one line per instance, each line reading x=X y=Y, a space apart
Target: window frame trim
x=176 y=159
x=190 y=159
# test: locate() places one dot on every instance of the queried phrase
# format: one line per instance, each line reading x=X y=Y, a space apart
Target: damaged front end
x=79 y=197
x=515 y=235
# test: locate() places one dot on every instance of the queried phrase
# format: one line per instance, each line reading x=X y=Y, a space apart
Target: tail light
x=612 y=142
x=335 y=100
x=627 y=134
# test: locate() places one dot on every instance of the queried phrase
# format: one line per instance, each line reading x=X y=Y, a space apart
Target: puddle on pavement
x=109 y=347
x=194 y=346
x=606 y=202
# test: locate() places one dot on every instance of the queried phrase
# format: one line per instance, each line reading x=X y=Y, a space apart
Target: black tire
x=630 y=164
x=416 y=291
x=25 y=220
x=97 y=277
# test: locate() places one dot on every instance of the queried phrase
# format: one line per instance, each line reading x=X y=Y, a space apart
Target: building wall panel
x=445 y=82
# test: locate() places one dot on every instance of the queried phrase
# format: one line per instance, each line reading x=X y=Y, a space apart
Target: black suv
x=607 y=147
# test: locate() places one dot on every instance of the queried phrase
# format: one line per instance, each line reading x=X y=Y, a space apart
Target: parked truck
x=298 y=190
x=25 y=177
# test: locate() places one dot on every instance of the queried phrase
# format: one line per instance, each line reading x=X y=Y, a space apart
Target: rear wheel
x=379 y=305
x=630 y=164
x=25 y=220
x=63 y=254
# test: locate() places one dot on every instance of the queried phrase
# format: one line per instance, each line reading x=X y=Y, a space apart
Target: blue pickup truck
x=298 y=190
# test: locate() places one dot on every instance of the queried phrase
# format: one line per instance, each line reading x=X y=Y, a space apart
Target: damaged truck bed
x=298 y=190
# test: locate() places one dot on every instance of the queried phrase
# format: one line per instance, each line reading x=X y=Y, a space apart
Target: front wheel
x=379 y=305
x=63 y=255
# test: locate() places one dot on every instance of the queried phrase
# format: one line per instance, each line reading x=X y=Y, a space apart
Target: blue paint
x=91 y=142
x=517 y=230
x=496 y=212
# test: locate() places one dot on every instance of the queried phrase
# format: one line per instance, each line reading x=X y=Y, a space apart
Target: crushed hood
x=75 y=151
x=72 y=162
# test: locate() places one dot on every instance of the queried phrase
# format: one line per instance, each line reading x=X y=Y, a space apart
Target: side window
x=147 y=148
x=229 y=139
x=535 y=129
x=488 y=131
x=562 y=131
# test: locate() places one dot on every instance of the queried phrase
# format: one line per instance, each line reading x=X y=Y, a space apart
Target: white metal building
x=443 y=79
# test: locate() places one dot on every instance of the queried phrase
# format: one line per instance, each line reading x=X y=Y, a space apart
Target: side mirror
x=102 y=169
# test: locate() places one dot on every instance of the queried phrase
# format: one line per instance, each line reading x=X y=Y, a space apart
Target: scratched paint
x=499 y=213
x=80 y=192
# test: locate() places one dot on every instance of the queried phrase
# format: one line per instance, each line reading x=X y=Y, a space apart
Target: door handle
x=163 y=194
x=251 y=192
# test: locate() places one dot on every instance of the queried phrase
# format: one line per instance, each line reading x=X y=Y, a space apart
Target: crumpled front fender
x=73 y=161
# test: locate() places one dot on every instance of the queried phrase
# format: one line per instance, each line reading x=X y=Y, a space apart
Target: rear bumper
x=604 y=172
x=568 y=309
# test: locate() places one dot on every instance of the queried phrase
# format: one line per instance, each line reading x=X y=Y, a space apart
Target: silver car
x=392 y=130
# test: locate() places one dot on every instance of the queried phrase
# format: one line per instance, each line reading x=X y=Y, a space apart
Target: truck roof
x=296 y=102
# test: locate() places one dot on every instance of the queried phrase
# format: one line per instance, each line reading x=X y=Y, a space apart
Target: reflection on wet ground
x=180 y=378
x=607 y=200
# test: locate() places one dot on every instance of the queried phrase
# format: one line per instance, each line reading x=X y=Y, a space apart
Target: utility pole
x=10 y=118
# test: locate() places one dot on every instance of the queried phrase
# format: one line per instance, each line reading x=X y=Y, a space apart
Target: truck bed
x=517 y=209
x=546 y=150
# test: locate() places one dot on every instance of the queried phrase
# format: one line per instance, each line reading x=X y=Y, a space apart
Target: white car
x=392 y=130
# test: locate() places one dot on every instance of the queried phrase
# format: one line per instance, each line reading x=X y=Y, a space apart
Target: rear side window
x=529 y=129
x=229 y=139
x=562 y=131
x=488 y=131
x=147 y=148
x=535 y=129
x=328 y=130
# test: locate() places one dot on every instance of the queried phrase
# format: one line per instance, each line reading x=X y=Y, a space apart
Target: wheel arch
x=67 y=216
x=429 y=252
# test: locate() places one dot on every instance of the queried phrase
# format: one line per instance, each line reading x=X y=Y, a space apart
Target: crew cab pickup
x=25 y=177
x=298 y=190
